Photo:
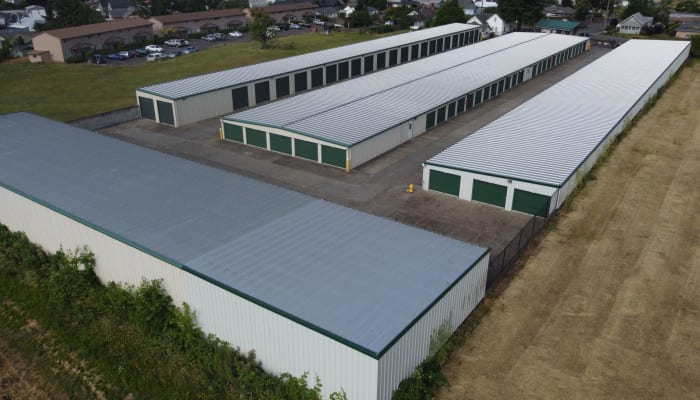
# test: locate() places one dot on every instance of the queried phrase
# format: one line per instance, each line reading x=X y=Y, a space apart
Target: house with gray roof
x=633 y=24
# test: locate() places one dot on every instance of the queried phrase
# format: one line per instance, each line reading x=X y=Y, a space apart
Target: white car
x=177 y=42
x=154 y=48
x=235 y=34
x=154 y=57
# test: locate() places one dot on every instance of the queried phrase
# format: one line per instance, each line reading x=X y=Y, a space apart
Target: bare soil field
x=608 y=305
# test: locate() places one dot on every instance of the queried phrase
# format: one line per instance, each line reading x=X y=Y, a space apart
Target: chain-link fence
x=502 y=261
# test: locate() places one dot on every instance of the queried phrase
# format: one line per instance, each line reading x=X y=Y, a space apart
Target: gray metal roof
x=347 y=274
x=351 y=112
x=232 y=77
x=546 y=139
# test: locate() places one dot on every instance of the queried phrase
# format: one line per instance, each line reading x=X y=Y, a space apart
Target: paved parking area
x=378 y=187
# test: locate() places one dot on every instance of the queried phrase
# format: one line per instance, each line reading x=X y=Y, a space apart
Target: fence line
x=501 y=262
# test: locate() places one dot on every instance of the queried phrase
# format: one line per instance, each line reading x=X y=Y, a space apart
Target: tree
x=691 y=6
x=568 y=3
x=520 y=12
x=583 y=8
x=68 y=13
x=360 y=17
x=449 y=12
x=399 y=15
x=258 y=28
x=646 y=7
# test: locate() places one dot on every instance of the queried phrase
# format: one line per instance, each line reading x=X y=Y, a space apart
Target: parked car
x=294 y=26
x=177 y=42
x=189 y=49
x=284 y=27
x=174 y=54
x=218 y=35
x=154 y=48
x=98 y=59
x=154 y=57
x=209 y=38
x=116 y=57
x=127 y=54
x=140 y=52
x=319 y=22
x=274 y=28
x=235 y=34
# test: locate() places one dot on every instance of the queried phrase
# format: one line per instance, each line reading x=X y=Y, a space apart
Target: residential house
x=633 y=24
x=25 y=19
x=468 y=6
x=115 y=9
x=287 y=12
x=180 y=25
x=490 y=24
x=683 y=17
x=688 y=30
x=558 y=26
x=558 y=12
x=420 y=15
x=80 y=40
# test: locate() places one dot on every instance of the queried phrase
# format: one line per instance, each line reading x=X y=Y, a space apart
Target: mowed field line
x=608 y=305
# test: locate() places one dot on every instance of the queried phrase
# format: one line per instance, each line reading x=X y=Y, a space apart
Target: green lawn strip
x=71 y=91
x=121 y=340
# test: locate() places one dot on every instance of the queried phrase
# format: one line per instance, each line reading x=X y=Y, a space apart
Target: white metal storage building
x=348 y=124
x=532 y=158
x=189 y=100
x=310 y=285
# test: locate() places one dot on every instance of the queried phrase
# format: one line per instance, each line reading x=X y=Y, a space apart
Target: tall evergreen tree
x=521 y=12
x=449 y=12
x=68 y=13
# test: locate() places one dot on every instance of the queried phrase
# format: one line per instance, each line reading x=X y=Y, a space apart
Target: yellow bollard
x=221 y=134
x=410 y=188
x=347 y=166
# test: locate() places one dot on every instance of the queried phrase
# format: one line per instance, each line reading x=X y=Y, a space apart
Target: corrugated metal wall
x=379 y=144
x=116 y=261
x=281 y=344
x=197 y=108
x=408 y=352
x=570 y=185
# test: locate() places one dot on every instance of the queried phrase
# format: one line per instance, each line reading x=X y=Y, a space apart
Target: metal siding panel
x=213 y=104
x=256 y=138
x=408 y=352
x=377 y=145
x=443 y=182
x=146 y=107
x=306 y=149
x=116 y=261
x=165 y=112
x=490 y=193
x=281 y=344
x=333 y=156
x=282 y=144
x=233 y=132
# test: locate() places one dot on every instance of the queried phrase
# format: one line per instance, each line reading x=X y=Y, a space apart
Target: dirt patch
x=608 y=306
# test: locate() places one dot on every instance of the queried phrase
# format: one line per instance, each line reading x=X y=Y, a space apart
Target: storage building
x=309 y=285
x=351 y=123
x=197 y=98
x=532 y=158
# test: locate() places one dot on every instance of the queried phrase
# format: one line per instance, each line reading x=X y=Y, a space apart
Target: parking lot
x=201 y=45
x=378 y=187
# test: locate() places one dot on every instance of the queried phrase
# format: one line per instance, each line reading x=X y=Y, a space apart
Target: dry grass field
x=608 y=305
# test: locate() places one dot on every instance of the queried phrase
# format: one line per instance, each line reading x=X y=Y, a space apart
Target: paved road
x=377 y=187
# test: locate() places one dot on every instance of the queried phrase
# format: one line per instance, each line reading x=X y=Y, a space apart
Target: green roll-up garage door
x=233 y=132
x=256 y=138
x=147 y=109
x=333 y=156
x=165 y=113
x=531 y=203
x=489 y=193
x=444 y=182
x=280 y=143
x=304 y=149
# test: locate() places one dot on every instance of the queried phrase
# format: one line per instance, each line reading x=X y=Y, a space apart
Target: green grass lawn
x=69 y=91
